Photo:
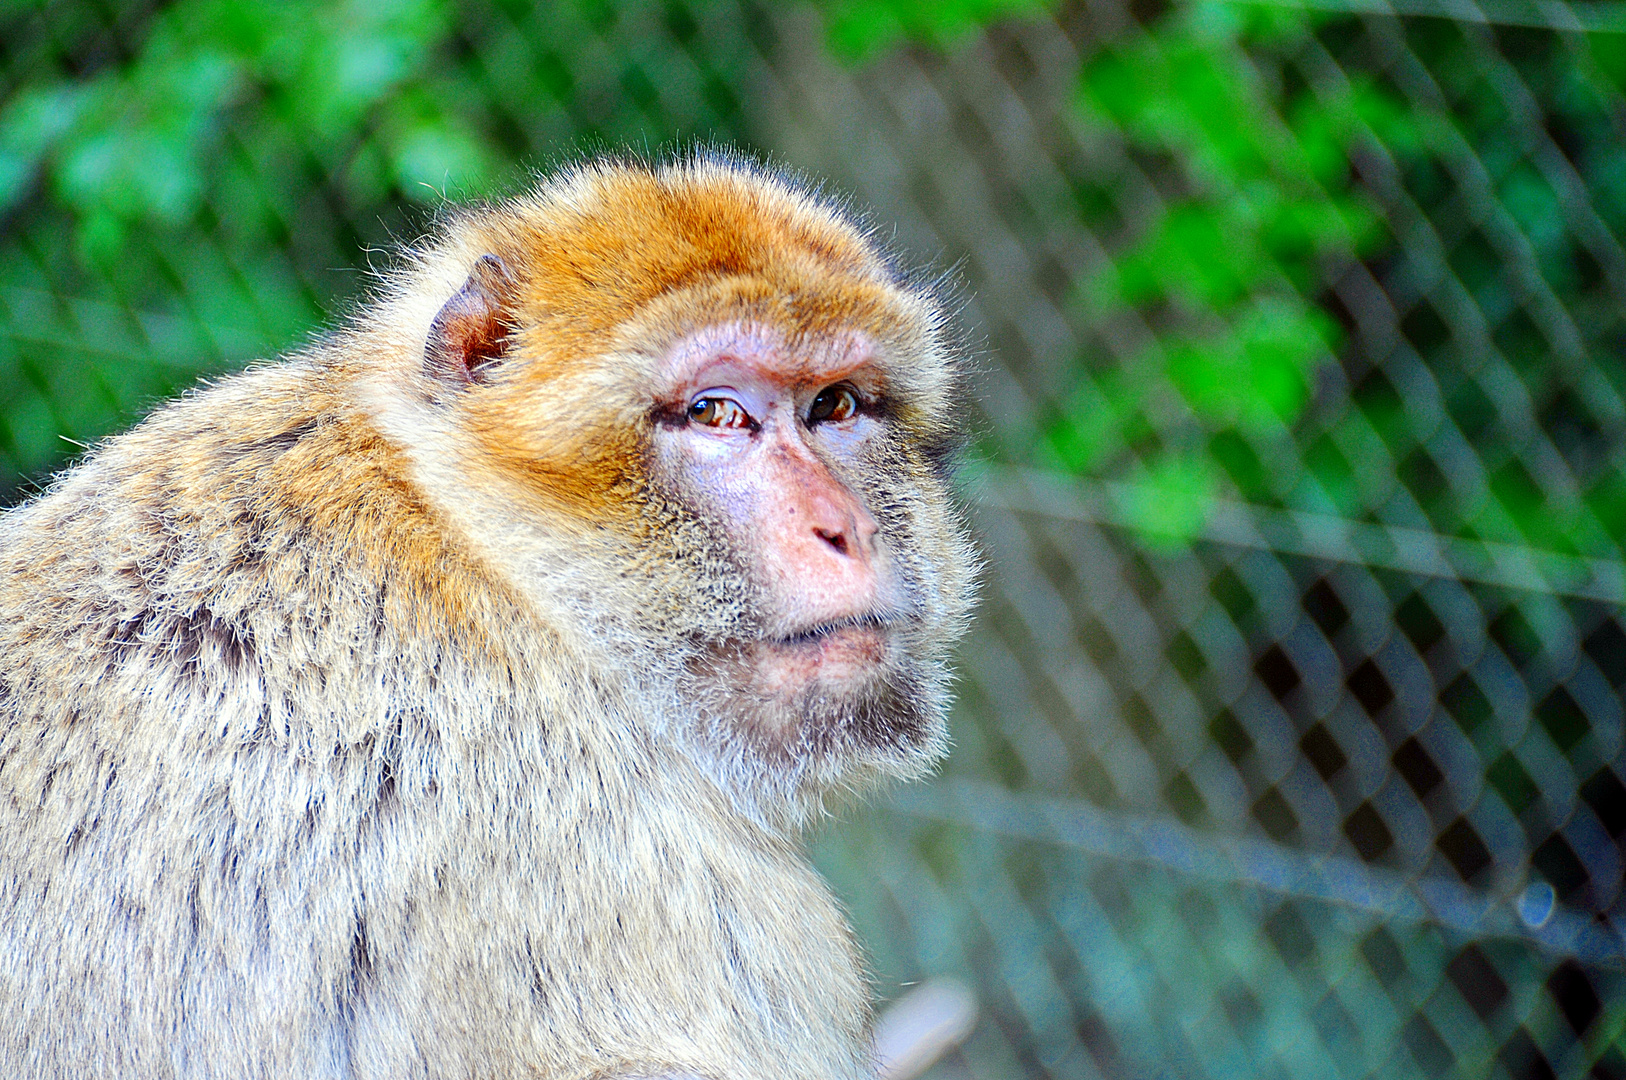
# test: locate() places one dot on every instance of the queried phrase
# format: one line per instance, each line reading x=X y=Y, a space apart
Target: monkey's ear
x=468 y=332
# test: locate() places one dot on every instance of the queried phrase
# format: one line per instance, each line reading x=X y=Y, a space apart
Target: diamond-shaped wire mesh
x=1289 y=735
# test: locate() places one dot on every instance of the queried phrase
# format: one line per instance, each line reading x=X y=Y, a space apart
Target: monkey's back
x=278 y=758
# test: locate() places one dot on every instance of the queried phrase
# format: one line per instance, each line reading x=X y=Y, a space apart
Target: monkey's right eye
x=719 y=412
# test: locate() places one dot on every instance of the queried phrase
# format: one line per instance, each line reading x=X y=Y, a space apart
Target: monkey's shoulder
x=269 y=492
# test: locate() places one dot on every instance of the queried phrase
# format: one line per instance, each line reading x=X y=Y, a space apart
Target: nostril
x=835 y=540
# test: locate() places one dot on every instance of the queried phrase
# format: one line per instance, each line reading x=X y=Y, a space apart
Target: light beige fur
x=346 y=720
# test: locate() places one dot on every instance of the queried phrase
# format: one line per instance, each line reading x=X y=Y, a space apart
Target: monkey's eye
x=719 y=412
x=833 y=405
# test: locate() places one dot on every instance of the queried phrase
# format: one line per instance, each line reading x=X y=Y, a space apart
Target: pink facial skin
x=761 y=432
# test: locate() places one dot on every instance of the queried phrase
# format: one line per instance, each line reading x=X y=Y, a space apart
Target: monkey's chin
x=790 y=721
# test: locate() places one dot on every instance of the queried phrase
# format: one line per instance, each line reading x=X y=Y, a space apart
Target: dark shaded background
x=1289 y=741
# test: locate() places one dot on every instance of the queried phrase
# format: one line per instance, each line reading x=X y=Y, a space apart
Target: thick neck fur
x=324 y=745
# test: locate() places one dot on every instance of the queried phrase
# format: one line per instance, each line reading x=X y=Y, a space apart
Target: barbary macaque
x=447 y=699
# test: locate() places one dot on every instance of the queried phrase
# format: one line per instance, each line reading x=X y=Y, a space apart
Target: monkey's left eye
x=833 y=405
x=719 y=412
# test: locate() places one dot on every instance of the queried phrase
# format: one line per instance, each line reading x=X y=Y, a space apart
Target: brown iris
x=833 y=405
x=719 y=412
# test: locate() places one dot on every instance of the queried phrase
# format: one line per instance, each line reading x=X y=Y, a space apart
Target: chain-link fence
x=1289 y=736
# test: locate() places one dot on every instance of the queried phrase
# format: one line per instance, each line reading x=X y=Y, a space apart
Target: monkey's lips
x=830 y=652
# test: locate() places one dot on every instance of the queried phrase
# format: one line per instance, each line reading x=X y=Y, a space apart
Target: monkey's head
x=704 y=425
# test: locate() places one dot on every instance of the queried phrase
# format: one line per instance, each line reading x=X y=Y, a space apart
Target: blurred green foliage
x=1261 y=210
x=186 y=186
x=136 y=146
x=857 y=30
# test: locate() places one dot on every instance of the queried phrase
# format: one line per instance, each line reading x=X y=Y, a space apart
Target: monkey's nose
x=837 y=540
x=824 y=559
x=845 y=526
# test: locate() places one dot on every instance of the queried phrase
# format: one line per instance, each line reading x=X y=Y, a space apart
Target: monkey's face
x=790 y=453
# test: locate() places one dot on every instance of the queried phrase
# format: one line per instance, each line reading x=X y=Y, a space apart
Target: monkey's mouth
x=831 y=653
x=872 y=625
x=837 y=655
